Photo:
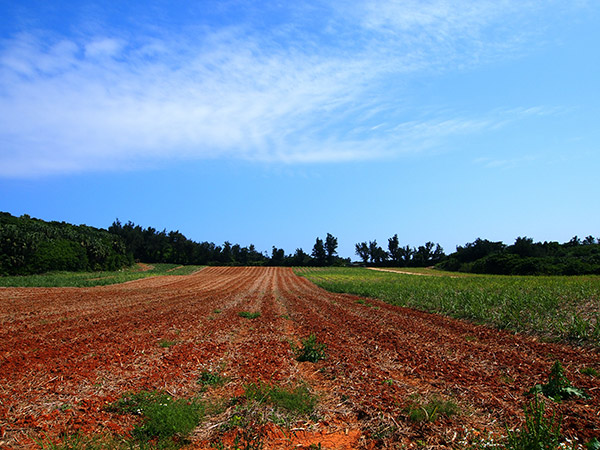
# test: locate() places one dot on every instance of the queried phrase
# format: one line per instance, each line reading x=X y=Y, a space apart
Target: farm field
x=225 y=336
x=558 y=307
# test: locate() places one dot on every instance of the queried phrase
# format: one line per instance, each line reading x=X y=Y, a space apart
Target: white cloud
x=105 y=102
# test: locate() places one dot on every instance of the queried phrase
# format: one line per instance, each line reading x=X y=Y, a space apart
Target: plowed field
x=65 y=353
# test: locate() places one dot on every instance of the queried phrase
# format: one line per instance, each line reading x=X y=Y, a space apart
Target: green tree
x=362 y=250
x=377 y=254
x=331 y=244
x=394 y=250
x=319 y=253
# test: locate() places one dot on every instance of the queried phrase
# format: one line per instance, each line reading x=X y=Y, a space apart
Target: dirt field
x=67 y=352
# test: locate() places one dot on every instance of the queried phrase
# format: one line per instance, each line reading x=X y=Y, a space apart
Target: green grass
x=166 y=421
x=297 y=400
x=591 y=372
x=165 y=343
x=559 y=307
x=431 y=410
x=208 y=378
x=539 y=431
x=249 y=315
x=88 y=279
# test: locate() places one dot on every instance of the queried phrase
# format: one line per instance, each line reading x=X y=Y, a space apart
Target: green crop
x=556 y=307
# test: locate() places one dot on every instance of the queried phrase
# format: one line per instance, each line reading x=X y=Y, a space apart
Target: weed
x=217 y=311
x=165 y=343
x=249 y=315
x=539 y=432
x=558 y=387
x=311 y=350
x=297 y=400
x=431 y=410
x=594 y=444
x=208 y=378
x=590 y=371
x=166 y=420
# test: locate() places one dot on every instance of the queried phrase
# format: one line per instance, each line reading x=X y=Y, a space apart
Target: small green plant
x=538 y=432
x=590 y=371
x=217 y=311
x=594 y=444
x=311 y=350
x=297 y=400
x=430 y=411
x=165 y=343
x=208 y=378
x=168 y=421
x=249 y=315
x=558 y=387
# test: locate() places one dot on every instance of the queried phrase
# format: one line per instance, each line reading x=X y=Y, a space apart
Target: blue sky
x=273 y=123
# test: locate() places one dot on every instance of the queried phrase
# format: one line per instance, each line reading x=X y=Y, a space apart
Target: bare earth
x=67 y=352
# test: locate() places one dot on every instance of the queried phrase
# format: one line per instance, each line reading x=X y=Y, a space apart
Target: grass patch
x=297 y=400
x=167 y=422
x=590 y=371
x=310 y=350
x=165 y=343
x=249 y=315
x=89 y=279
x=262 y=403
x=556 y=307
x=208 y=378
x=431 y=410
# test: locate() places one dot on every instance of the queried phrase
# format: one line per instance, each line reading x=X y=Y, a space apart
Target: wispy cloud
x=292 y=95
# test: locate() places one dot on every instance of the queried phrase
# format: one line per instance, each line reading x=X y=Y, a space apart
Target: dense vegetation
x=32 y=246
x=525 y=257
x=559 y=307
x=153 y=246
x=29 y=246
x=425 y=255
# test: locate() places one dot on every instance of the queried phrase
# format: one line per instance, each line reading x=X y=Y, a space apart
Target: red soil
x=67 y=352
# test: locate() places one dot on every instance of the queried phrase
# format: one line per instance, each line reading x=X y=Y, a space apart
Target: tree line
x=153 y=246
x=30 y=246
x=526 y=257
x=425 y=255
